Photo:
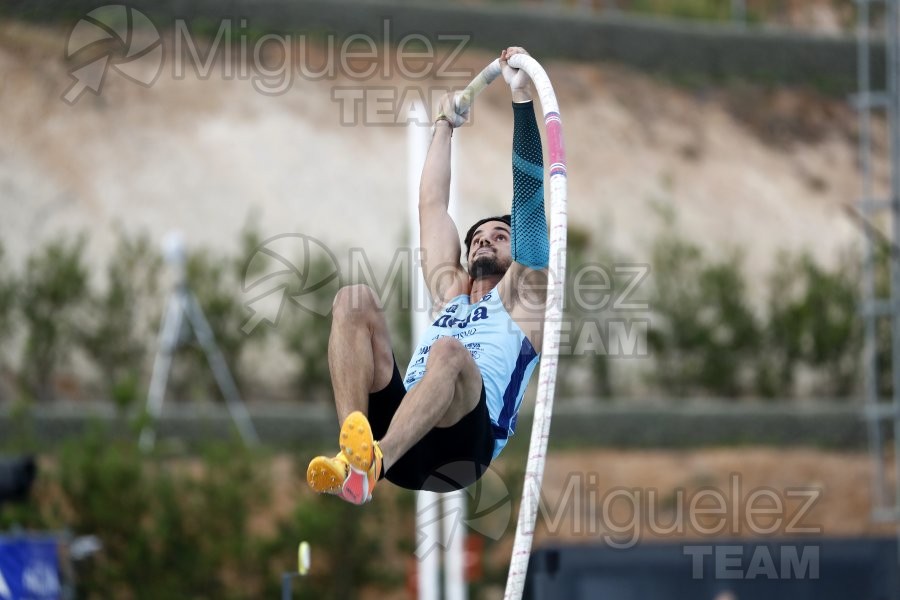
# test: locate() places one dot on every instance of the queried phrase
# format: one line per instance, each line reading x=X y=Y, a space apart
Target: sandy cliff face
x=764 y=170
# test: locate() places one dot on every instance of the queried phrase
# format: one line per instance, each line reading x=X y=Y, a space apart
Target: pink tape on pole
x=556 y=150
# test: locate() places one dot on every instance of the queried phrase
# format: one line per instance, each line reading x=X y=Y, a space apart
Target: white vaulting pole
x=543 y=408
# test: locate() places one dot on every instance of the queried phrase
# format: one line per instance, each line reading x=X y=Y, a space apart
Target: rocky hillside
x=760 y=169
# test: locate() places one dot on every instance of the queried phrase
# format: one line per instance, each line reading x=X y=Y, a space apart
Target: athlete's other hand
x=517 y=79
x=448 y=108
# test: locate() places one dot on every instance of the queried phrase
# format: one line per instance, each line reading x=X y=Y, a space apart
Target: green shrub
x=813 y=323
x=708 y=339
x=707 y=335
x=708 y=10
x=7 y=296
x=120 y=324
x=583 y=352
x=348 y=548
x=169 y=528
x=7 y=306
x=215 y=282
x=52 y=298
x=305 y=330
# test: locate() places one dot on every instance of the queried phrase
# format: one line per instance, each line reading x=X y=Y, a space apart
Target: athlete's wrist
x=442 y=122
x=521 y=95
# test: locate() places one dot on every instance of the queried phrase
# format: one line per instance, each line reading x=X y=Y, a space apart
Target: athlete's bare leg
x=359 y=349
x=449 y=390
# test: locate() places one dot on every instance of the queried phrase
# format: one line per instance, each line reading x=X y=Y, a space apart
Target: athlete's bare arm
x=445 y=277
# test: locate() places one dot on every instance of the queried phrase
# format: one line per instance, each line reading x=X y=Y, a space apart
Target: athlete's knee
x=447 y=352
x=355 y=301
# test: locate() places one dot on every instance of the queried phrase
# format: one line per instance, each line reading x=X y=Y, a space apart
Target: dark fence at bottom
x=831 y=425
x=782 y=569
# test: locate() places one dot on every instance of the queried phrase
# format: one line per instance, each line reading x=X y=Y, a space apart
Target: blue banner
x=29 y=569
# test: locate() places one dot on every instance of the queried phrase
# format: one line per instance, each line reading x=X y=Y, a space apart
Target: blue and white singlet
x=500 y=348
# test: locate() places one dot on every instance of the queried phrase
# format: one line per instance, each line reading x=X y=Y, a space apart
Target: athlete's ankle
x=387 y=457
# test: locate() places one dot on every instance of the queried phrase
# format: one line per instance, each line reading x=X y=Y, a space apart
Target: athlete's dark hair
x=471 y=233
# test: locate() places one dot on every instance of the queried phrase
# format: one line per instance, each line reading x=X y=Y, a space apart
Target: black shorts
x=447 y=458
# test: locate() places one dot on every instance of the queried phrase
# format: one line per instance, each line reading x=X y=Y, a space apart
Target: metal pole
x=427 y=506
x=183 y=304
x=162 y=363
x=870 y=318
x=454 y=506
x=286 y=591
x=739 y=12
x=454 y=503
x=893 y=60
x=221 y=372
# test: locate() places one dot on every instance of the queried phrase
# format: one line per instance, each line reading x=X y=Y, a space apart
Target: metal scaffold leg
x=882 y=413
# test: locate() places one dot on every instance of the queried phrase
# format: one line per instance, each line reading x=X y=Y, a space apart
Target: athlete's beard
x=487 y=265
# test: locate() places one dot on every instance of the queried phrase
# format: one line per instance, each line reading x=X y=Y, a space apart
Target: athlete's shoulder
x=451 y=304
x=454 y=296
x=523 y=284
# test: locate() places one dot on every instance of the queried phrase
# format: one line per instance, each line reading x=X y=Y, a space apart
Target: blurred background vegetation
x=219 y=521
x=198 y=525
x=712 y=331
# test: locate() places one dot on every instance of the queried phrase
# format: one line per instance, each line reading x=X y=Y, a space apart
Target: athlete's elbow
x=431 y=198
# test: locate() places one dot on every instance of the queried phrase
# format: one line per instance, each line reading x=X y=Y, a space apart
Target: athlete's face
x=490 y=252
